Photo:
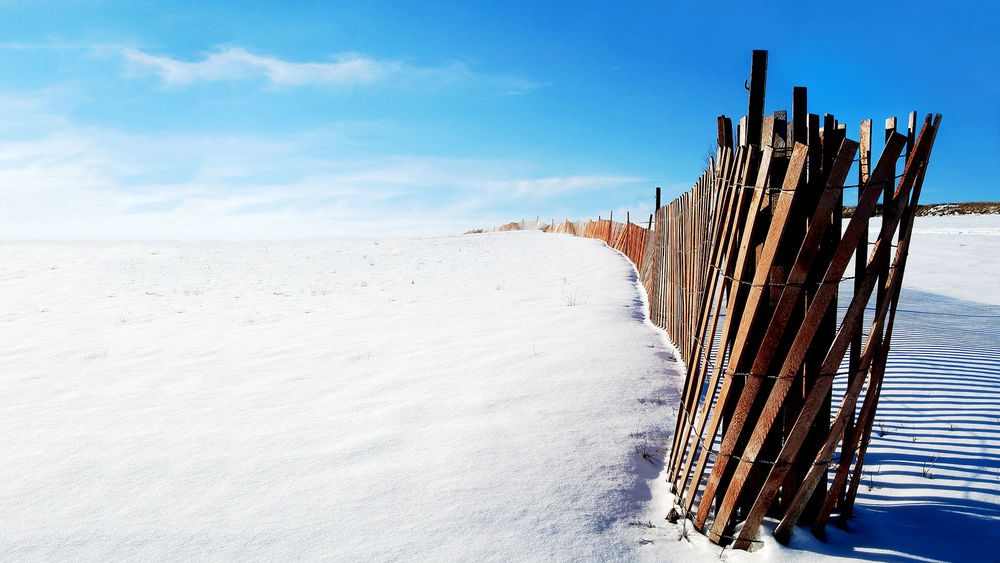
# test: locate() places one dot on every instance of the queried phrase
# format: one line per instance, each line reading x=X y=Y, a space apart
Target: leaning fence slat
x=777 y=325
x=737 y=180
x=818 y=470
x=853 y=317
x=693 y=358
x=847 y=507
x=728 y=279
x=775 y=231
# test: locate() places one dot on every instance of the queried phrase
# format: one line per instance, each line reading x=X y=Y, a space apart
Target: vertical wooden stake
x=755 y=109
x=725 y=137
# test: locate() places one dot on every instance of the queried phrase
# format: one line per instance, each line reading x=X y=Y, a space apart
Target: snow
x=465 y=397
x=470 y=397
x=955 y=256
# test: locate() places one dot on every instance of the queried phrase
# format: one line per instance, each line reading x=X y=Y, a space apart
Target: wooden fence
x=745 y=272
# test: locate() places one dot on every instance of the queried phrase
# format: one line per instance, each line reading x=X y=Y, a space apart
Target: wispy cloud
x=68 y=181
x=232 y=64
x=540 y=188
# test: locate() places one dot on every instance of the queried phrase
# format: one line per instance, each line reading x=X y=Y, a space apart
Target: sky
x=254 y=120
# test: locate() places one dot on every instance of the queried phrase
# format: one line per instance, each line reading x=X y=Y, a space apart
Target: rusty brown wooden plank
x=864 y=173
x=832 y=137
x=848 y=504
x=879 y=346
x=911 y=130
x=725 y=238
x=776 y=325
x=796 y=354
x=775 y=232
x=758 y=86
x=887 y=192
x=618 y=237
x=646 y=271
x=728 y=163
x=767 y=131
x=659 y=268
x=725 y=137
x=739 y=273
x=720 y=184
x=815 y=313
x=800 y=116
x=848 y=449
x=649 y=281
x=742 y=241
x=665 y=257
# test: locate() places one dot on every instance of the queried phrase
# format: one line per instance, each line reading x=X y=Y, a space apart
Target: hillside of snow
x=485 y=396
x=461 y=397
x=956 y=256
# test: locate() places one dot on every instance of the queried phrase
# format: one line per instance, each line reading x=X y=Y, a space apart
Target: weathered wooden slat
x=796 y=354
x=911 y=131
x=776 y=327
x=775 y=232
x=728 y=241
x=681 y=436
x=847 y=506
x=864 y=173
x=694 y=364
x=890 y=129
x=876 y=342
x=832 y=137
x=798 y=132
x=729 y=271
x=767 y=131
x=722 y=187
x=848 y=449
x=852 y=318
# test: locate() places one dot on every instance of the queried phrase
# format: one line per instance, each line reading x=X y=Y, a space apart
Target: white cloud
x=344 y=70
x=61 y=180
x=546 y=187
x=89 y=183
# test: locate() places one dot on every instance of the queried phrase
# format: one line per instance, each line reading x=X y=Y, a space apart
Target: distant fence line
x=744 y=272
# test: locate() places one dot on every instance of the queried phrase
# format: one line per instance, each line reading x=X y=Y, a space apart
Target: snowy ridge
x=484 y=397
x=955 y=256
x=477 y=397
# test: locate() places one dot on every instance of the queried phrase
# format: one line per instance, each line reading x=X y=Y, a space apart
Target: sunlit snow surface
x=458 y=398
x=450 y=398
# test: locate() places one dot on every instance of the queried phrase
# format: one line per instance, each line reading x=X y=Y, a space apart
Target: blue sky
x=259 y=120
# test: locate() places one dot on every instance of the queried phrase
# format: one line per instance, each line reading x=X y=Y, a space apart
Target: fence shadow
x=934 y=459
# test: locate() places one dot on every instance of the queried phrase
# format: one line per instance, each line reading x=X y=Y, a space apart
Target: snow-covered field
x=457 y=398
x=956 y=256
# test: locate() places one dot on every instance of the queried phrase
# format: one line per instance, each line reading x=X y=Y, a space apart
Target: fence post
x=725 y=137
x=755 y=110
